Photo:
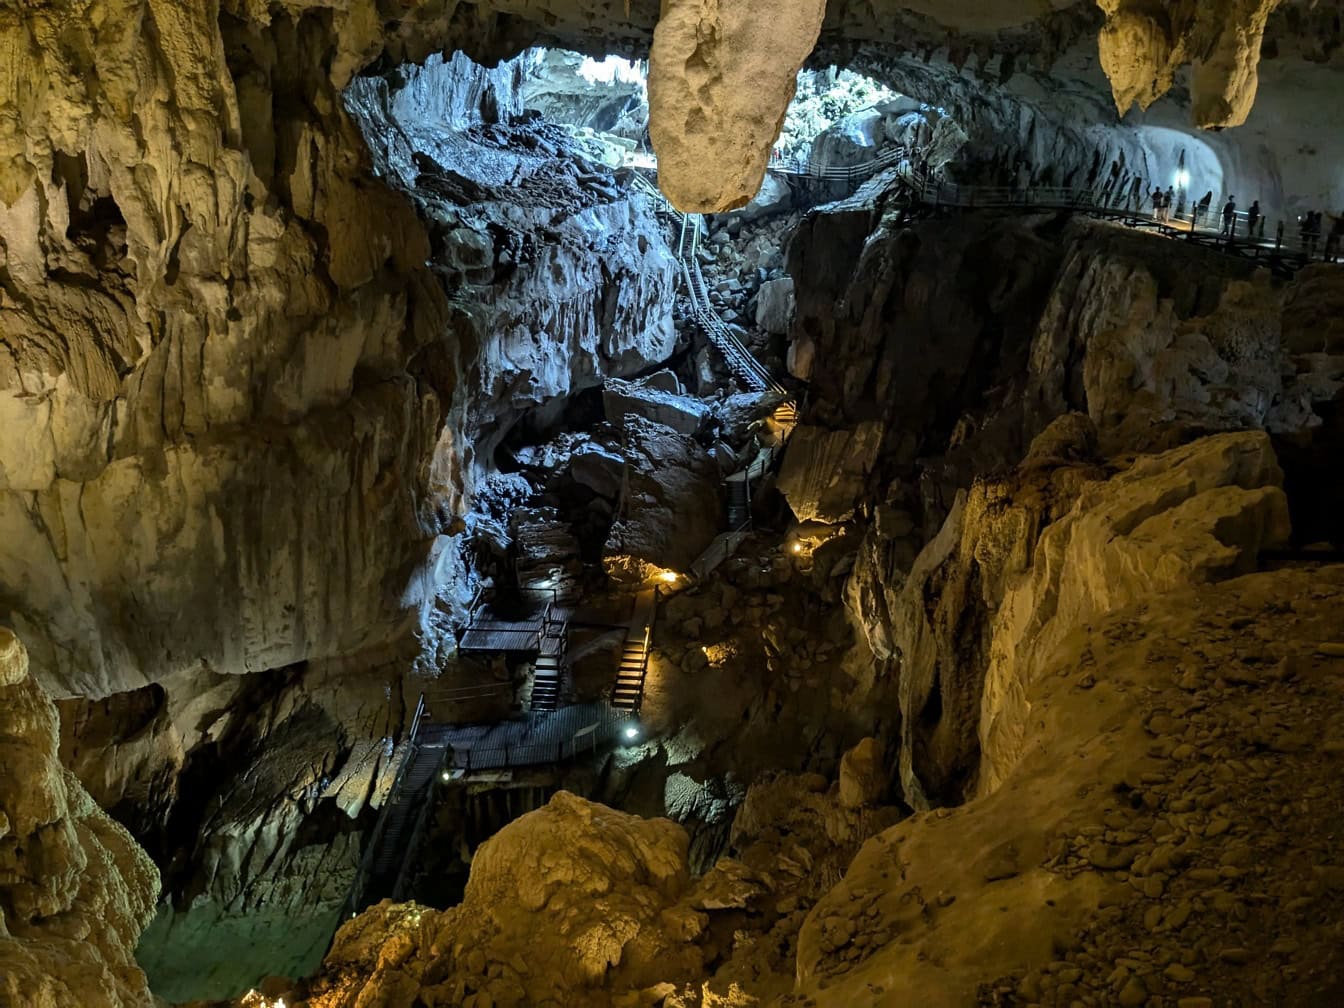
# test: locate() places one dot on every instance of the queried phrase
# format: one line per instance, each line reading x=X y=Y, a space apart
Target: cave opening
x=473 y=577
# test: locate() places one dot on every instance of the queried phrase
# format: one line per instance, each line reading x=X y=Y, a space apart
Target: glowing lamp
x=668 y=577
x=632 y=732
x=446 y=776
x=1182 y=179
x=797 y=547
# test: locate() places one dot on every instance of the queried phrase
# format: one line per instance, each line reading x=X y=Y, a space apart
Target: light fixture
x=632 y=732
x=797 y=547
x=1182 y=179
x=446 y=776
x=668 y=577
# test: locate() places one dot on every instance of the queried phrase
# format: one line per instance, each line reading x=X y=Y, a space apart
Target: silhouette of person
x=1203 y=207
x=1252 y=217
x=1230 y=216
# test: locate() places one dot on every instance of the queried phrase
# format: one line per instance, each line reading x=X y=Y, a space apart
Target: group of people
x=1162 y=203
x=1311 y=224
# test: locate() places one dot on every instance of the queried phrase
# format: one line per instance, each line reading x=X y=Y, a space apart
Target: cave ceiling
x=75 y=64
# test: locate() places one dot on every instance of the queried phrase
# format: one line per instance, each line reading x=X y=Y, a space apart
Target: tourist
x=1230 y=217
x=1334 y=238
x=1313 y=231
x=1252 y=218
x=1167 y=201
x=1156 y=197
x=1202 y=209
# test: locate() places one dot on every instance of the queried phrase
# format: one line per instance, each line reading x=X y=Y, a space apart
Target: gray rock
x=775 y=306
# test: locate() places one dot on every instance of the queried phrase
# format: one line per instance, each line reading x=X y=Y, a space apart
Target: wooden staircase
x=628 y=693
x=548 y=673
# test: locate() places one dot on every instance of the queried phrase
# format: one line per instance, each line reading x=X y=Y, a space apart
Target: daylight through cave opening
x=530 y=508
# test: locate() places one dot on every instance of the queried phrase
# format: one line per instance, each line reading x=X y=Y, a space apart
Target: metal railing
x=605 y=723
x=800 y=168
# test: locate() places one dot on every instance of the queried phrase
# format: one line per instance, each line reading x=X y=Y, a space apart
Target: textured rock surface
x=671 y=506
x=1141 y=52
x=1025 y=560
x=75 y=890
x=609 y=885
x=721 y=74
x=1134 y=852
x=824 y=472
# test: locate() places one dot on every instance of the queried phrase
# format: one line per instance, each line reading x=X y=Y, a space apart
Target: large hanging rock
x=75 y=890
x=1141 y=53
x=721 y=75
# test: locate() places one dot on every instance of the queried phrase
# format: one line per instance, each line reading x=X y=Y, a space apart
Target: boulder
x=775 y=306
x=597 y=468
x=774 y=197
x=724 y=71
x=672 y=491
x=862 y=775
x=824 y=472
x=683 y=414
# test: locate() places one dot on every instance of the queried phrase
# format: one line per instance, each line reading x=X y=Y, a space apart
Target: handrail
x=740 y=360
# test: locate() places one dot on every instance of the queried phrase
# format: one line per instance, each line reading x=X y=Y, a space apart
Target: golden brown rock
x=75 y=889
x=721 y=74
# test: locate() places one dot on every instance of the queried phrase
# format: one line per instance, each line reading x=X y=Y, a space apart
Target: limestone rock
x=672 y=494
x=682 y=413
x=720 y=77
x=1078 y=879
x=610 y=885
x=862 y=775
x=823 y=472
x=775 y=306
x=1005 y=592
x=1141 y=52
x=75 y=889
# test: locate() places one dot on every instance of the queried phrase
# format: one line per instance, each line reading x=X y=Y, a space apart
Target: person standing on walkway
x=1334 y=238
x=1156 y=197
x=1167 y=201
x=1230 y=217
x=1252 y=218
x=1202 y=208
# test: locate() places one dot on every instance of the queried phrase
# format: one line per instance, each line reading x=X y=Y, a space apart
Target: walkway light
x=797 y=547
x=668 y=577
x=631 y=732
x=446 y=776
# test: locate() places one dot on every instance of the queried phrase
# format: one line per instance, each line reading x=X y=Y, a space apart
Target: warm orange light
x=797 y=547
x=668 y=576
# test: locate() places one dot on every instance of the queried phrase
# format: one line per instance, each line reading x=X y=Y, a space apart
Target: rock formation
x=75 y=890
x=1141 y=53
x=297 y=309
x=721 y=74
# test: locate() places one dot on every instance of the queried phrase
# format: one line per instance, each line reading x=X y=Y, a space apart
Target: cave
x=671 y=505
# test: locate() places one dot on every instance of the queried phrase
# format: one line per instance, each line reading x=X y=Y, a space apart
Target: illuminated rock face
x=721 y=74
x=75 y=890
x=1143 y=46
